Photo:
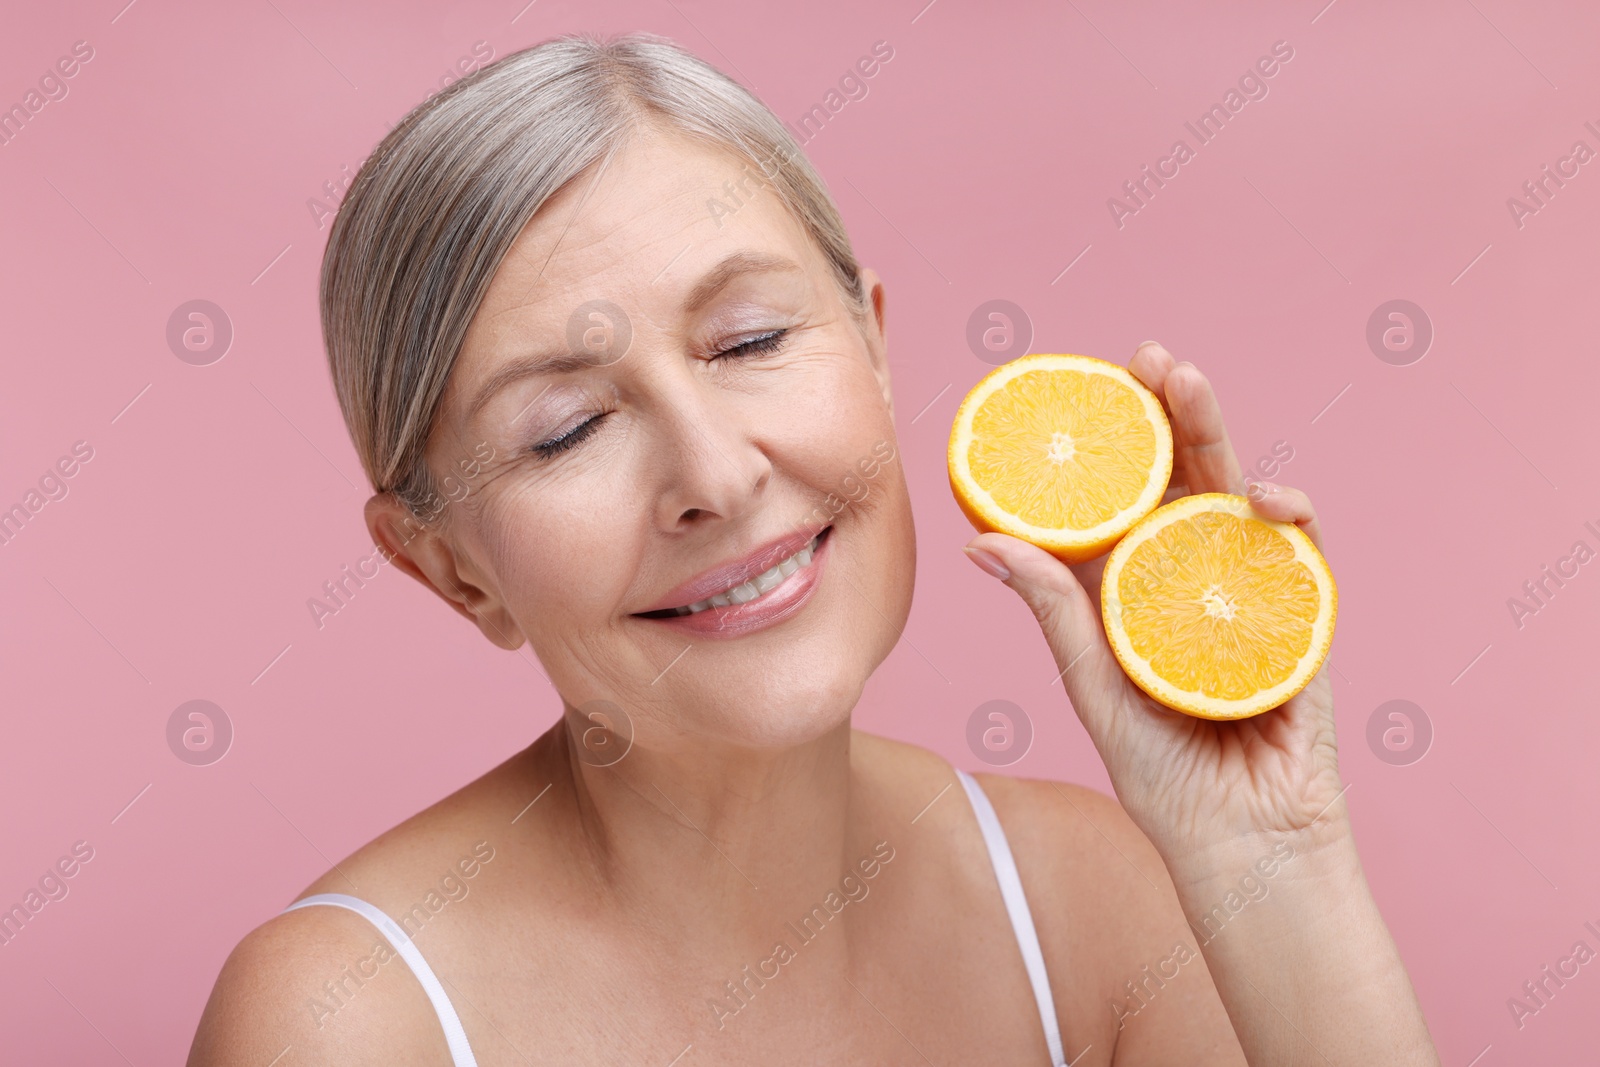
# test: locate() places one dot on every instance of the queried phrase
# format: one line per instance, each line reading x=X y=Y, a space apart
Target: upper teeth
x=764 y=582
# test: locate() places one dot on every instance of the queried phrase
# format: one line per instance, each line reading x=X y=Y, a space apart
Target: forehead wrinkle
x=587 y=192
x=523 y=253
x=680 y=228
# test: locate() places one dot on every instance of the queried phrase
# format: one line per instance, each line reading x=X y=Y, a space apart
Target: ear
x=877 y=332
x=426 y=552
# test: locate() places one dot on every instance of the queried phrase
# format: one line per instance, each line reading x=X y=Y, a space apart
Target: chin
x=787 y=712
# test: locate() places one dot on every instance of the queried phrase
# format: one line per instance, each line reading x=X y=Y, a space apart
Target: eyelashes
x=571 y=439
x=761 y=345
x=770 y=341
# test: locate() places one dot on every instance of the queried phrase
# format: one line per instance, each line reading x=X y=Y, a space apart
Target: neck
x=723 y=844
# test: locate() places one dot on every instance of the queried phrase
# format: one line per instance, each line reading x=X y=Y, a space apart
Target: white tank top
x=1005 y=871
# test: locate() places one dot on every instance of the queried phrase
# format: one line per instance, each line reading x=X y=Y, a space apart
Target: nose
x=712 y=463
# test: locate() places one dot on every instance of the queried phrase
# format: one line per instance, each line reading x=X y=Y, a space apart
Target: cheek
x=847 y=432
x=829 y=421
x=553 y=546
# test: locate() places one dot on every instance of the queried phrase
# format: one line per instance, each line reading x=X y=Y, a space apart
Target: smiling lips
x=724 y=577
x=736 y=597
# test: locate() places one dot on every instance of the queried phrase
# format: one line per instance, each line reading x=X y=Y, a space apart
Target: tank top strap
x=1005 y=871
x=454 y=1035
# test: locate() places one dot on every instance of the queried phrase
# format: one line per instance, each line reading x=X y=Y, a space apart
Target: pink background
x=978 y=167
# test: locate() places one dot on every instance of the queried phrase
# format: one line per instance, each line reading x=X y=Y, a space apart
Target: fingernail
x=1142 y=344
x=1261 y=489
x=988 y=561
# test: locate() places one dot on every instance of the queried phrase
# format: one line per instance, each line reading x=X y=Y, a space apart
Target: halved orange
x=1215 y=611
x=1064 y=451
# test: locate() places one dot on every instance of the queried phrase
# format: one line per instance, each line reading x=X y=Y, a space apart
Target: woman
x=605 y=352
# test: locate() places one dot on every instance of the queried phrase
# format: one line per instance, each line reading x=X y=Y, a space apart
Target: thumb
x=1069 y=617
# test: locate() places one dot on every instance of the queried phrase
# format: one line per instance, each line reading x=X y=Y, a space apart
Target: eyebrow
x=735 y=265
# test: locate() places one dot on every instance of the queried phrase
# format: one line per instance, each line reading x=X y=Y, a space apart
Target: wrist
x=1289 y=928
x=1323 y=851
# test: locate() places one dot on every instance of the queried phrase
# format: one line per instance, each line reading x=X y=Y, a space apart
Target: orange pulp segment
x=1064 y=451
x=1215 y=611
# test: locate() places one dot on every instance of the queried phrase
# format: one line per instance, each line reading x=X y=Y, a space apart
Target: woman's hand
x=1192 y=785
x=1220 y=800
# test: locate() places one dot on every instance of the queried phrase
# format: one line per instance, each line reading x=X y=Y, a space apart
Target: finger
x=1090 y=574
x=1203 y=458
x=1200 y=437
x=1151 y=364
x=1070 y=619
x=1283 y=504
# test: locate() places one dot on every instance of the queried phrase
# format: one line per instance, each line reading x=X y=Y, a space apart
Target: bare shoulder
x=1080 y=857
x=1126 y=972
x=1078 y=840
x=1109 y=918
x=897 y=765
x=323 y=980
x=1061 y=826
x=1070 y=842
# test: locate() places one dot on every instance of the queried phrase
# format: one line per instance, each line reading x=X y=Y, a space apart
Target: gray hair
x=435 y=208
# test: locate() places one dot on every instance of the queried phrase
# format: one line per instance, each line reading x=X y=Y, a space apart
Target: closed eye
x=763 y=344
x=770 y=341
x=570 y=439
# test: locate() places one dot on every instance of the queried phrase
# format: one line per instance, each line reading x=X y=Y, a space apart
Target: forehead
x=638 y=230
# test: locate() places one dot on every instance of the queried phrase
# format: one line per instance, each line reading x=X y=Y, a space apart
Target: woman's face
x=715 y=398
